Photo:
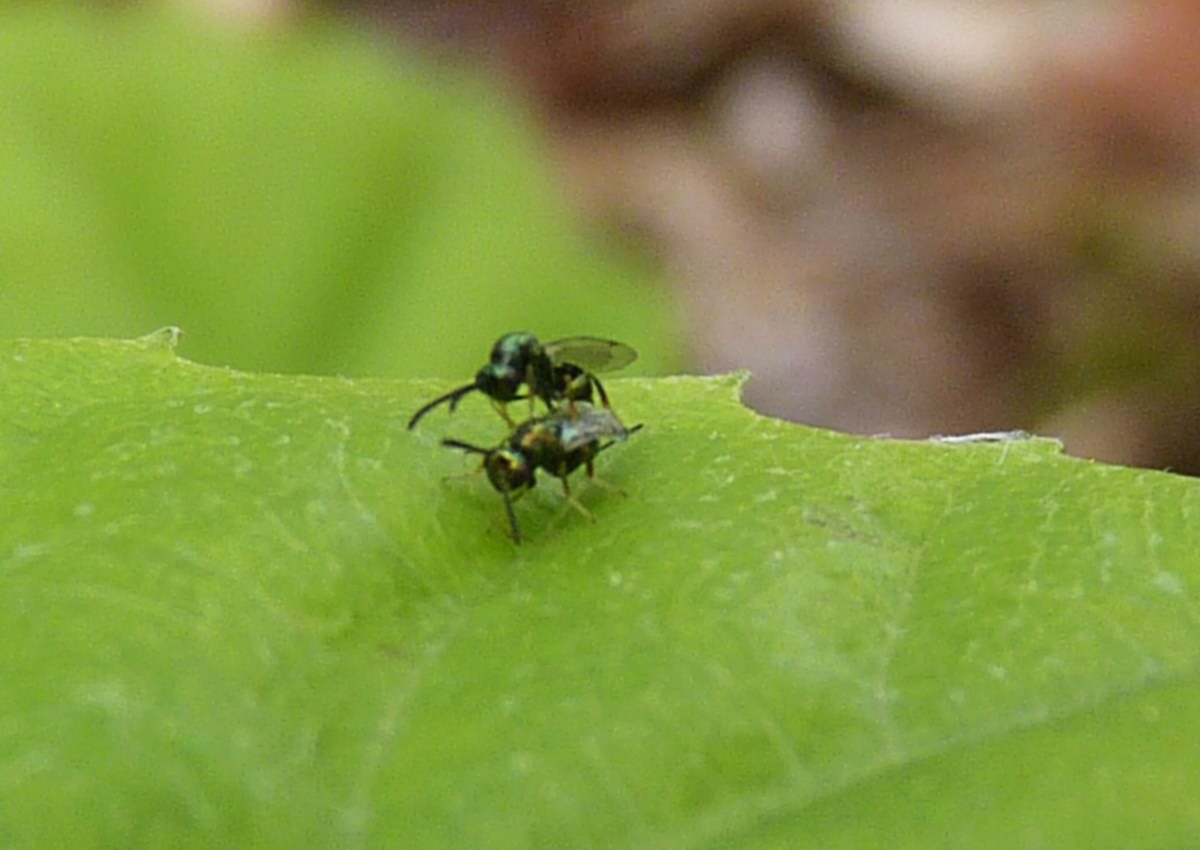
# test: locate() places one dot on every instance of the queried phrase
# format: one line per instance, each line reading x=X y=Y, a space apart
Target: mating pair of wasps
x=573 y=431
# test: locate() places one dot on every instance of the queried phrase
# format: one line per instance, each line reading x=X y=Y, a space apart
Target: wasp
x=562 y=370
x=558 y=443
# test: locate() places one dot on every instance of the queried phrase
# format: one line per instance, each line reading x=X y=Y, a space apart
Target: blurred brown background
x=905 y=217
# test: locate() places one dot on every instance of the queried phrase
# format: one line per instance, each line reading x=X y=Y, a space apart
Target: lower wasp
x=558 y=443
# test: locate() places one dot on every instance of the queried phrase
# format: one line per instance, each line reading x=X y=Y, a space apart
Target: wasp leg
x=512 y=514
x=604 y=401
x=500 y=408
x=600 y=391
x=606 y=485
x=591 y=468
x=575 y=503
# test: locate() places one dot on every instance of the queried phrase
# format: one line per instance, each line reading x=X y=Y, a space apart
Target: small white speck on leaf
x=109 y=695
x=28 y=551
x=983 y=437
x=522 y=763
x=1168 y=583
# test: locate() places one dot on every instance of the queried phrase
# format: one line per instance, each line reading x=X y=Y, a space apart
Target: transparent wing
x=591 y=353
x=588 y=425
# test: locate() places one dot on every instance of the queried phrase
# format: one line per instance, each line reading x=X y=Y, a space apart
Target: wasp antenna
x=456 y=395
x=466 y=447
x=453 y=397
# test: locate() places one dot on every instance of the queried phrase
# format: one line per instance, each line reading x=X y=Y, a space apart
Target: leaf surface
x=254 y=609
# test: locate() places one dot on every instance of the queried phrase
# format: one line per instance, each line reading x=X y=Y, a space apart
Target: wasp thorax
x=514 y=346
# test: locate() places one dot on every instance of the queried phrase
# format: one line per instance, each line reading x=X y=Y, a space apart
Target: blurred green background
x=910 y=218
x=304 y=198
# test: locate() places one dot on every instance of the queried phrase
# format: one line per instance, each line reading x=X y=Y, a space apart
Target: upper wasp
x=557 y=371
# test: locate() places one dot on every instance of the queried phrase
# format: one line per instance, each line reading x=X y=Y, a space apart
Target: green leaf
x=251 y=610
x=301 y=199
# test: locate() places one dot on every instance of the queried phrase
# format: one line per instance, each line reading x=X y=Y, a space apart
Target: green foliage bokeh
x=303 y=198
